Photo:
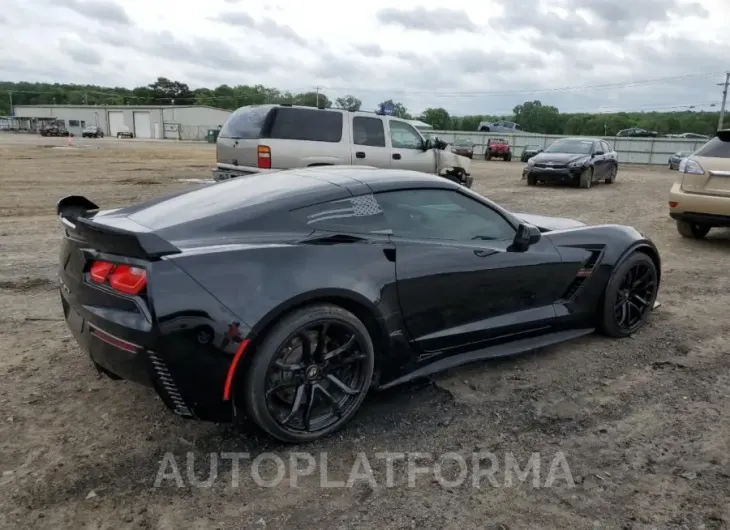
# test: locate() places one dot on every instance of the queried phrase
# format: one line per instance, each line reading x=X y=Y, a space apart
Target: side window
x=606 y=148
x=368 y=131
x=358 y=215
x=517 y=126
x=442 y=214
x=304 y=124
x=73 y=123
x=403 y=136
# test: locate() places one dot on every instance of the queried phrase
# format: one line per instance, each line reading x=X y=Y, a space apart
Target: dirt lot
x=643 y=423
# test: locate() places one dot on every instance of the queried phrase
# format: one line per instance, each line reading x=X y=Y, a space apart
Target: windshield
x=463 y=142
x=532 y=147
x=573 y=147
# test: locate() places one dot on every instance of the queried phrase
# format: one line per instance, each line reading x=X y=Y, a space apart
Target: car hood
x=549 y=223
x=561 y=158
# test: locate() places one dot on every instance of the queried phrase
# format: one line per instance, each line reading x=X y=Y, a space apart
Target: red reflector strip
x=232 y=369
x=673 y=204
x=114 y=341
x=584 y=273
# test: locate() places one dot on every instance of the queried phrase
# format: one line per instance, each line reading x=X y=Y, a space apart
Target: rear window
x=718 y=147
x=304 y=124
x=245 y=123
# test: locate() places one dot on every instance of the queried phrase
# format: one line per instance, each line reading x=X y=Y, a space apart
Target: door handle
x=360 y=154
x=396 y=156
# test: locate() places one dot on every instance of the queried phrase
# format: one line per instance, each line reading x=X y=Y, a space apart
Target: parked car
x=637 y=132
x=576 y=161
x=498 y=148
x=676 y=158
x=265 y=138
x=693 y=136
x=125 y=133
x=700 y=199
x=463 y=147
x=284 y=298
x=92 y=131
x=529 y=151
x=55 y=130
x=499 y=126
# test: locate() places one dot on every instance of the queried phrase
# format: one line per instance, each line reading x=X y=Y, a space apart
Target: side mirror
x=426 y=145
x=526 y=236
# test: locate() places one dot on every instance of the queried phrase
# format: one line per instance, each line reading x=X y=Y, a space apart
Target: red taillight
x=126 y=279
x=264 y=157
x=673 y=204
x=100 y=271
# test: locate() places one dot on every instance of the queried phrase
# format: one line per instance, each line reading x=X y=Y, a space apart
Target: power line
x=461 y=93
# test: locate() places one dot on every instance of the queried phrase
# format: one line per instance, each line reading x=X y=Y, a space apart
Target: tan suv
x=700 y=199
x=263 y=138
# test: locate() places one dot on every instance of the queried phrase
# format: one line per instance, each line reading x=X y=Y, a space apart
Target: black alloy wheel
x=310 y=375
x=630 y=296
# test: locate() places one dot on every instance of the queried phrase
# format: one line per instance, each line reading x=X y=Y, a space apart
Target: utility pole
x=317 y=88
x=10 y=93
x=86 y=99
x=724 y=99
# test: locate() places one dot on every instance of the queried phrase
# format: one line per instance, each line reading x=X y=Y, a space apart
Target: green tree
x=438 y=118
x=311 y=99
x=533 y=116
x=348 y=102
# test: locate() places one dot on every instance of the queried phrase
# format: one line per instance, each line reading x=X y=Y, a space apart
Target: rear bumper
x=698 y=208
x=187 y=387
x=229 y=171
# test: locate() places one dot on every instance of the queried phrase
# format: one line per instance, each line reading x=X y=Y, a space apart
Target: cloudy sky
x=468 y=57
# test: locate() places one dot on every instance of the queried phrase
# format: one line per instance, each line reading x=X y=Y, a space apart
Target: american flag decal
x=362 y=206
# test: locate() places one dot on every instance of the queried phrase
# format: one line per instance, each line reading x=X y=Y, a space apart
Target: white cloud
x=469 y=57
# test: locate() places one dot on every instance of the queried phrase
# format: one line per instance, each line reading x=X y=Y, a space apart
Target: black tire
x=253 y=391
x=622 y=292
x=531 y=180
x=612 y=177
x=487 y=156
x=692 y=230
x=508 y=158
x=586 y=178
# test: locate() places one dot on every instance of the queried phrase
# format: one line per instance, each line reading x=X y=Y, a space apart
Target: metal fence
x=630 y=150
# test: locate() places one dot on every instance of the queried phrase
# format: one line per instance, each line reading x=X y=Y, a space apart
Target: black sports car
x=576 y=161
x=284 y=297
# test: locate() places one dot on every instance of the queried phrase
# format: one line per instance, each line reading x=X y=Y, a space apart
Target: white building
x=145 y=121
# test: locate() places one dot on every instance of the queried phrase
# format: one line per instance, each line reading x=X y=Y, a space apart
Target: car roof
x=375 y=179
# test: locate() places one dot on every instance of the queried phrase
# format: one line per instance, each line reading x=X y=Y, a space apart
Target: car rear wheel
x=612 y=176
x=692 y=230
x=310 y=374
x=508 y=158
x=531 y=180
x=629 y=296
x=586 y=178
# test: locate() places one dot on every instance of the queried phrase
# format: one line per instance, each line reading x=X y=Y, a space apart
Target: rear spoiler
x=75 y=213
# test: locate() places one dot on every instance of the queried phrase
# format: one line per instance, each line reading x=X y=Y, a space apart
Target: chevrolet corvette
x=283 y=298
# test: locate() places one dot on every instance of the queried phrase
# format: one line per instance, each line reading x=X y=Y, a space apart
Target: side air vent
x=583 y=274
x=168 y=386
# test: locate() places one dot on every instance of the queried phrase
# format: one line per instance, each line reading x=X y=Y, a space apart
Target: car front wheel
x=586 y=178
x=692 y=230
x=629 y=296
x=310 y=374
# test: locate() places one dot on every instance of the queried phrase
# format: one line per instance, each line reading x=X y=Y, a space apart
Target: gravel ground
x=636 y=431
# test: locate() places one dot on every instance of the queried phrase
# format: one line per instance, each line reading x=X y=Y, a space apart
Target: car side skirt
x=500 y=350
